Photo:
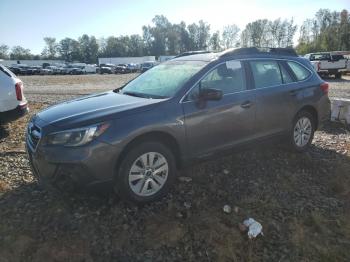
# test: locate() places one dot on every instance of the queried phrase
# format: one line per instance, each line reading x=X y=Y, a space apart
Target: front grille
x=34 y=135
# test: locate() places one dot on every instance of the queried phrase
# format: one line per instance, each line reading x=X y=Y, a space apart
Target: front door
x=215 y=125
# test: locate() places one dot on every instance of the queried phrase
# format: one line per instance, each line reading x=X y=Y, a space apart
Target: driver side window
x=227 y=77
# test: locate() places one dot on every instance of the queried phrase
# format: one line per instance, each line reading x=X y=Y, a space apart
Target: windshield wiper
x=143 y=95
x=134 y=94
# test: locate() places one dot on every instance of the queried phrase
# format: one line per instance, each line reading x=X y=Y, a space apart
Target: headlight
x=76 y=137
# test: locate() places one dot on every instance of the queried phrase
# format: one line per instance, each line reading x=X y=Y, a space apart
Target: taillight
x=19 y=91
x=324 y=87
x=318 y=66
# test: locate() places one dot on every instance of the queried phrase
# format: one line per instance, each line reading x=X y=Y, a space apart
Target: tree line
x=327 y=31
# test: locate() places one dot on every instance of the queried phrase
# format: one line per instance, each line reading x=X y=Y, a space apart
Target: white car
x=13 y=104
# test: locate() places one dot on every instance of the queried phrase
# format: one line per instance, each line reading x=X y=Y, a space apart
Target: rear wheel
x=146 y=173
x=338 y=75
x=303 y=131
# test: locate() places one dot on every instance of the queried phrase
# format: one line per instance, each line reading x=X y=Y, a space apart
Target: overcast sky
x=25 y=23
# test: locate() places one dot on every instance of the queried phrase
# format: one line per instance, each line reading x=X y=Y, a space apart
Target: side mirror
x=210 y=94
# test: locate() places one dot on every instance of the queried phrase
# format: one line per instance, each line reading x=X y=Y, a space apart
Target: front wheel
x=146 y=173
x=302 y=132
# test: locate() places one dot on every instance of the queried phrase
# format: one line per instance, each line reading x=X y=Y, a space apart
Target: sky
x=27 y=22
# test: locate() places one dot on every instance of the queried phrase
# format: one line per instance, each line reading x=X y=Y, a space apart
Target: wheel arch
x=156 y=136
x=312 y=110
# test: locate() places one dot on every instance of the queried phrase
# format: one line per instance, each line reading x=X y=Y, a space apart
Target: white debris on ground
x=254 y=228
x=340 y=111
x=227 y=209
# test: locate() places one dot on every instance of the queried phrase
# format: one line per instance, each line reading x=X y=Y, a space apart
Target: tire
x=306 y=122
x=338 y=75
x=146 y=184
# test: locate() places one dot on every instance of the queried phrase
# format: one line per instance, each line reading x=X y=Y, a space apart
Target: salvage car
x=146 y=66
x=13 y=104
x=186 y=109
x=122 y=69
x=106 y=69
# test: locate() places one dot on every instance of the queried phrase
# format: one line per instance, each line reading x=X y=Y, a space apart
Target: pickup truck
x=328 y=63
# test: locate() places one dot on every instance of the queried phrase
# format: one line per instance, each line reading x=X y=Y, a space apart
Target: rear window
x=320 y=57
x=266 y=73
x=300 y=72
x=6 y=71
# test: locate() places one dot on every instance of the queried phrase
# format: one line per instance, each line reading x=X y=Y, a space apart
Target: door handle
x=246 y=104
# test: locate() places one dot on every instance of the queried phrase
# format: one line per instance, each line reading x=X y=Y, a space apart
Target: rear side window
x=337 y=57
x=301 y=73
x=266 y=73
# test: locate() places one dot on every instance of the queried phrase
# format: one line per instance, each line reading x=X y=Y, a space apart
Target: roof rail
x=259 y=50
x=193 y=53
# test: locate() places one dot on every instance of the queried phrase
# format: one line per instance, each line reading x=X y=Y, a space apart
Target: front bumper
x=73 y=168
x=14 y=114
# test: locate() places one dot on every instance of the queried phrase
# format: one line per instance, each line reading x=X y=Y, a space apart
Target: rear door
x=276 y=94
x=214 y=125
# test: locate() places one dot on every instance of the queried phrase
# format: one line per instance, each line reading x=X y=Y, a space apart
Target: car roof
x=249 y=52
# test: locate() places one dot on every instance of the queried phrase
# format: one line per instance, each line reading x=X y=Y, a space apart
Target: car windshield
x=164 y=80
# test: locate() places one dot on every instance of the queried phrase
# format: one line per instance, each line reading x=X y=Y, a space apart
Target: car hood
x=95 y=108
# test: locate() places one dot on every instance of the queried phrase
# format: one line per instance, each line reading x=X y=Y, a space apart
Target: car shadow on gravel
x=3 y=132
x=302 y=201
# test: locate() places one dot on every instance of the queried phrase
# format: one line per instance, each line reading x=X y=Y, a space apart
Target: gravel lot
x=53 y=89
x=302 y=200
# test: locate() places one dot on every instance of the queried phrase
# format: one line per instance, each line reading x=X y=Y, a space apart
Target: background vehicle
x=46 y=71
x=328 y=63
x=12 y=101
x=122 y=69
x=147 y=65
x=36 y=70
x=132 y=67
x=19 y=69
x=106 y=69
x=53 y=70
x=77 y=71
x=183 y=110
x=66 y=70
x=89 y=69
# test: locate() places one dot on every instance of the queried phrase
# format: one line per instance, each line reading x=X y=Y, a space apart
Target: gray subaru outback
x=135 y=138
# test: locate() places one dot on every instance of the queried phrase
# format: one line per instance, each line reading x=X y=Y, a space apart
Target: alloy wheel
x=302 y=132
x=148 y=174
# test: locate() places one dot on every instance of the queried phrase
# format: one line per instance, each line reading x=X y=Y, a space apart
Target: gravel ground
x=53 y=89
x=302 y=201
x=339 y=87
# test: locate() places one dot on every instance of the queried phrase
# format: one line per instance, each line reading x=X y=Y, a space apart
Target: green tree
x=256 y=33
x=88 y=49
x=215 y=42
x=230 y=36
x=69 y=49
x=199 y=35
x=50 y=49
x=20 y=53
x=4 y=51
